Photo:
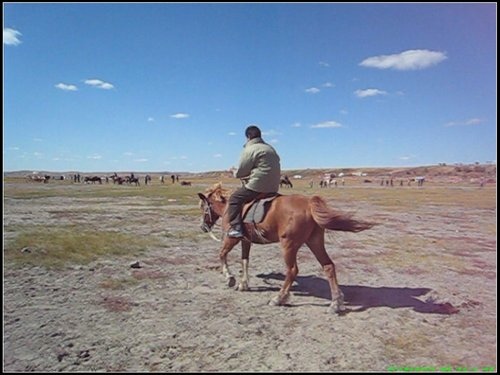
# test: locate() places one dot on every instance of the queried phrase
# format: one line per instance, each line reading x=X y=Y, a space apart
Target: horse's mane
x=218 y=192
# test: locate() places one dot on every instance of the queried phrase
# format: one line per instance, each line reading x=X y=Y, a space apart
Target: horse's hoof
x=231 y=281
x=242 y=287
x=336 y=308
x=274 y=302
x=278 y=301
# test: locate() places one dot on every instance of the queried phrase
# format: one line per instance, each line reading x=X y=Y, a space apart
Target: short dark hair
x=252 y=132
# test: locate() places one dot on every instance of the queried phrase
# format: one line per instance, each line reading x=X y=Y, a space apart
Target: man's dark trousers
x=236 y=202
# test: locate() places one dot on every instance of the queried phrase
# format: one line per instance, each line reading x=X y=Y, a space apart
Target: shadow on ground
x=361 y=298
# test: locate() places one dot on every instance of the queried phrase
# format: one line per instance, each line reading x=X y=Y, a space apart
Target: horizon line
x=227 y=170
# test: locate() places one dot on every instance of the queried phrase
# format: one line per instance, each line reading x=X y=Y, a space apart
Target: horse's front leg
x=245 y=255
x=227 y=246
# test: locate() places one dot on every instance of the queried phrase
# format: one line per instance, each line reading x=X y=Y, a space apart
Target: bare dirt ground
x=420 y=288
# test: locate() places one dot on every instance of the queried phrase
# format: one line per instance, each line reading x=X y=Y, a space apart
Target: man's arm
x=245 y=166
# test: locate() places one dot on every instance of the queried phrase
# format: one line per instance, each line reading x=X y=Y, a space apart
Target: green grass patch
x=58 y=247
x=186 y=235
x=165 y=194
x=188 y=211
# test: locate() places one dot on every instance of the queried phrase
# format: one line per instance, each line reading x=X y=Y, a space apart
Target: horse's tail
x=329 y=218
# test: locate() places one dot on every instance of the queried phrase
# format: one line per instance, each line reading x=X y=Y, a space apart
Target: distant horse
x=285 y=181
x=420 y=180
x=327 y=182
x=291 y=220
x=38 y=178
x=93 y=179
x=118 y=180
x=185 y=183
x=132 y=180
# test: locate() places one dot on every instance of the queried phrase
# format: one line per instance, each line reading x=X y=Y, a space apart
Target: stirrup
x=234 y=233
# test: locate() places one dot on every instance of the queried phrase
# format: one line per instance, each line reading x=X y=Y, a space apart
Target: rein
x=207 y=210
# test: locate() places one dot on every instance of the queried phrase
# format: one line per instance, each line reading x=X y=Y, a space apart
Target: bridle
x=206 y=225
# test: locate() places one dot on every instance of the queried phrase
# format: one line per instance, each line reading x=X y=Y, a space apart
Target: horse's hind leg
x=289 y=249
x=317 y=245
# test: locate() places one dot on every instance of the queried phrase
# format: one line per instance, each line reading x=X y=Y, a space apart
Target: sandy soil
x=406 y=310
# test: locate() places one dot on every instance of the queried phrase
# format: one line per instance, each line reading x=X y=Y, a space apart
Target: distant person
x=173 y=179
x=260 y=168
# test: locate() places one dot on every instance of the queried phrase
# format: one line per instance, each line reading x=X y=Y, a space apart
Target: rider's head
x=252 y=132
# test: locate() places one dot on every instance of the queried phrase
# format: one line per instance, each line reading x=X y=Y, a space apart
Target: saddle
x=255 y=211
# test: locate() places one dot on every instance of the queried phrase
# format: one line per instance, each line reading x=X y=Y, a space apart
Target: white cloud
x=408 y=157
x=469 y=122
x=473 y=121
x=231 y=133
x=151 y=119
x=273 y=141
x=296 y=125
x=368 y=92
x=10 y=37
x=14 y=148
x=95 y=157
x=407 y=60
x=328 y=84
x=141 y=160
x=270 y=133
x=99 y=84
x=217 y=155
x=326 y=124
x=325 y=64
x=180 y=115
x=66 y=87
x=312 y=90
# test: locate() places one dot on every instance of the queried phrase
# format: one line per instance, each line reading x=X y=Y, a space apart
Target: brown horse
x=291 y=220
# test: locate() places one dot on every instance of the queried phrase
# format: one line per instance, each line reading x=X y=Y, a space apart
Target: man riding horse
x=260 y=167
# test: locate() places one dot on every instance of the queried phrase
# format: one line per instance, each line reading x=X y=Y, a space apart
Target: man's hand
x=233 y=170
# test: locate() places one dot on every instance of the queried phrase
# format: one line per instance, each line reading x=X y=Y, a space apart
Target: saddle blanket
x=257 y=210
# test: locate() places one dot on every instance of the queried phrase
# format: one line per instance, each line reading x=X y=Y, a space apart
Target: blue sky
x=172 y=87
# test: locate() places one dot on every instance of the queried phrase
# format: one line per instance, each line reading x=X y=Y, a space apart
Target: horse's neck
x=220 y=208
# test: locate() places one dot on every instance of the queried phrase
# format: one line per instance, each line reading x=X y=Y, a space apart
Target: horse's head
x=212 y=206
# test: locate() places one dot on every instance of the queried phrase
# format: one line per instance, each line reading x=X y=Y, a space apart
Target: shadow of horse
x=364 y=297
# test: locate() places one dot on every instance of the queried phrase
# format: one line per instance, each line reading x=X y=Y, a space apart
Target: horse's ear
x=202 y=197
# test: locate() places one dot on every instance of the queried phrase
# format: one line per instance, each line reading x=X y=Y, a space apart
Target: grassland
x=420 y=286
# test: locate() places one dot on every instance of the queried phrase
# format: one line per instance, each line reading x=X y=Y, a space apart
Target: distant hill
x=432 y=171
x=462 y=171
